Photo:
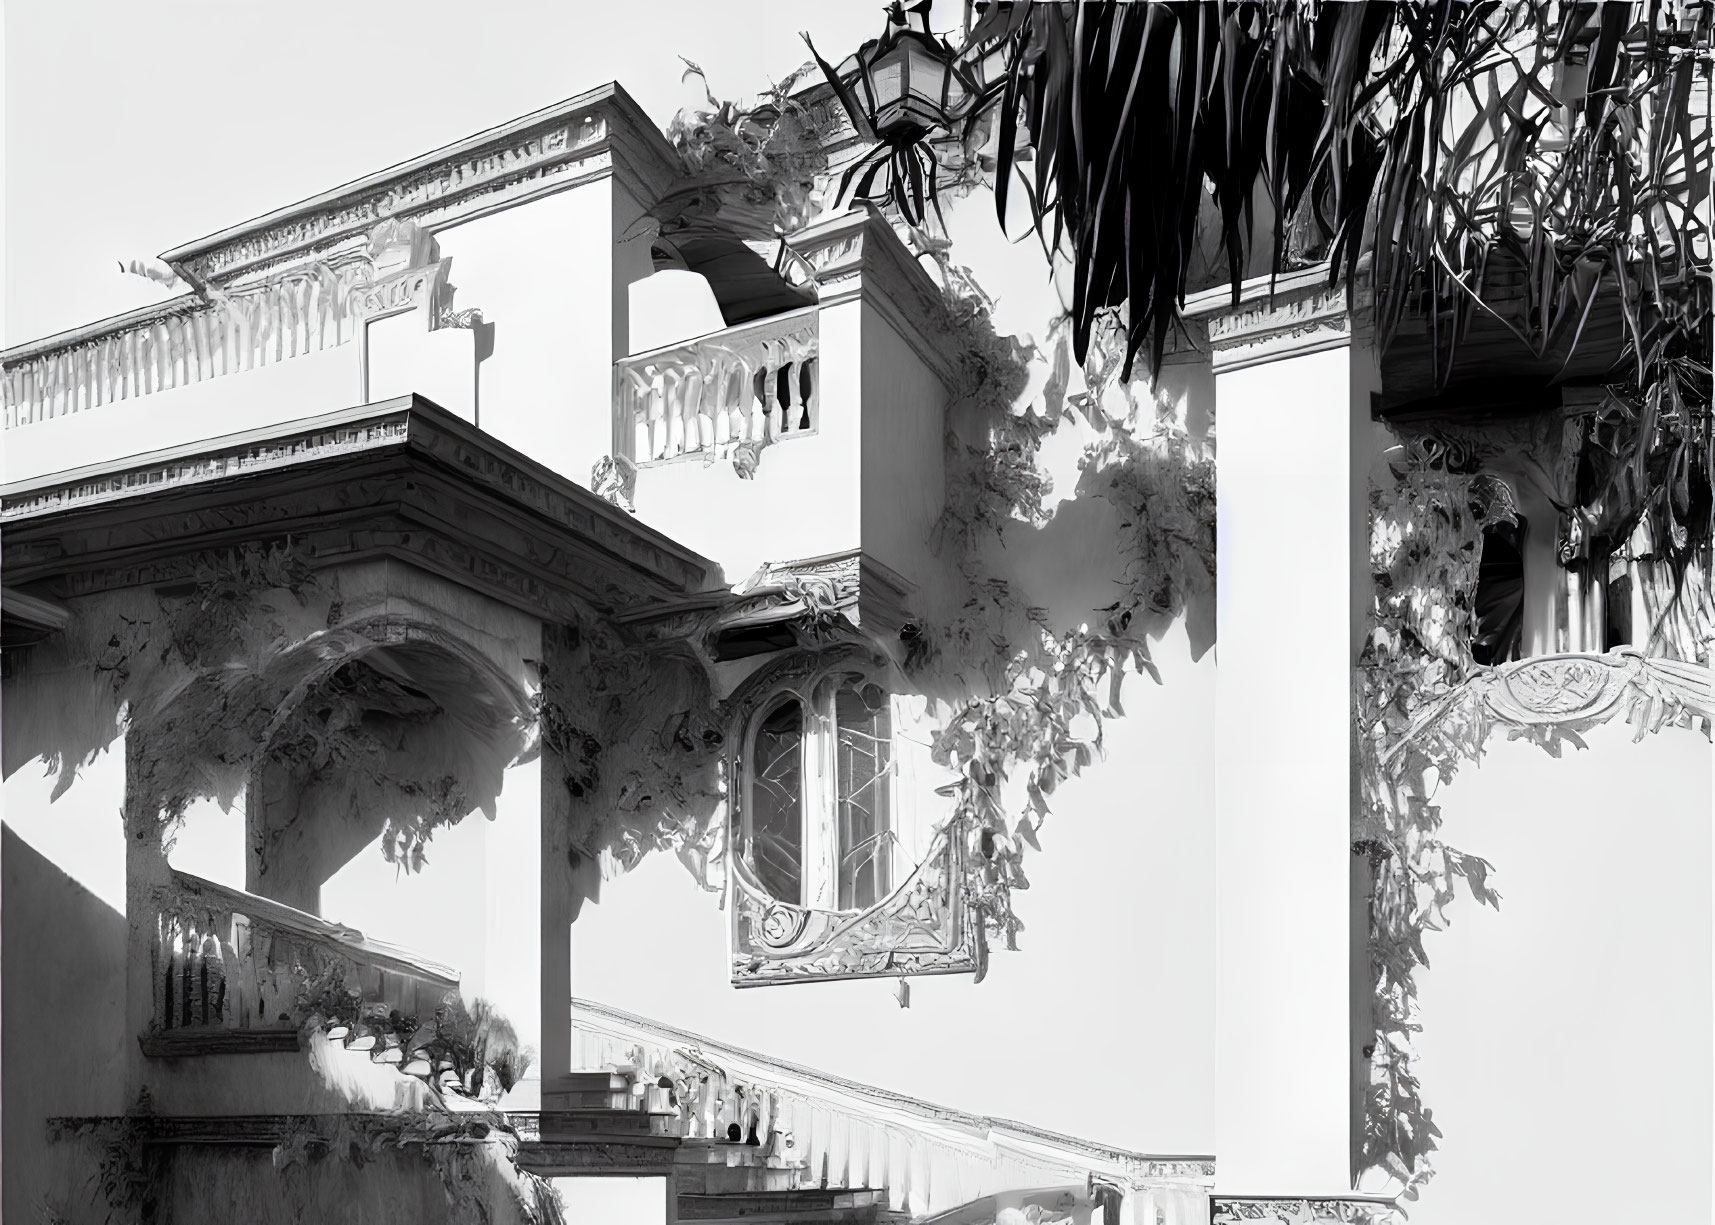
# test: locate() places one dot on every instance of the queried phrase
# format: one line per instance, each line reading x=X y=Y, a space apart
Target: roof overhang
x=402 y=479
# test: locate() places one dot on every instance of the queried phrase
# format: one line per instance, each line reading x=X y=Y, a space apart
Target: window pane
x=863 y=759
x=776 y=808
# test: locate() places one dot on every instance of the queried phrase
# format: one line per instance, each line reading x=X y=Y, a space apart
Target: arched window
x=863 y=757
x=776 y=800
x=815 y=795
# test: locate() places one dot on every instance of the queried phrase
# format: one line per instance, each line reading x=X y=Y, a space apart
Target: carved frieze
x=1299 y=1210
x=1303 y=321
x=411 y=289
x=1550 y=694
x=528 y=155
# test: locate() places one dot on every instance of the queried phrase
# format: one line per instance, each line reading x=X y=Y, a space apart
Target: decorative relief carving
x=218 y=465
x=524 y=157
x=921 y=928
x=817 y=590
x=414 y=288
x=1567 y=694
x=614 y=478
x=1267 y=330
x=304 y=309
x=924 y=926
x=1301 y=1211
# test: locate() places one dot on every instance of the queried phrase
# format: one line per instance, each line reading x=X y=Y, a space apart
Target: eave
x=402 y=479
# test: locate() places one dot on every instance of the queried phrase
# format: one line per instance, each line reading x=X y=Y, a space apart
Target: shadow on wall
x=62 y=1023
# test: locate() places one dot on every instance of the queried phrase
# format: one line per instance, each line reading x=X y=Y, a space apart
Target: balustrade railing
x=840 y=1135
x=229 y=968
x=757 y=383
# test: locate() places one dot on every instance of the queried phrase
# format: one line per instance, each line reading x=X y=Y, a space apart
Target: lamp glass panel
x=887 y=78
x=927 y=73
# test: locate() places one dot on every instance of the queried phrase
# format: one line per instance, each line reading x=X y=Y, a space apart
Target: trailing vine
x=129 y=1174
x=1039 y=721
x=466 y=1151
x=1426 y=542
x=751 y=172
x=470 y=1050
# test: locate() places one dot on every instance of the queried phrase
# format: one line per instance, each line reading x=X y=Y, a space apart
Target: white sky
x=133 y=127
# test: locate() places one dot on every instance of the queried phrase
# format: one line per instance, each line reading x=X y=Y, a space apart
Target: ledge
x=268 y=1130
x=402 y=478
x=534 y=149
x=193 y=1043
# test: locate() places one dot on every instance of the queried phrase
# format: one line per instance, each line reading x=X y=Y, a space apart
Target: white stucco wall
x=287 y=390
x=1566 y=1047
x=903 y=447
x=805 y=497
x=1100 y=1026
x=539 y=272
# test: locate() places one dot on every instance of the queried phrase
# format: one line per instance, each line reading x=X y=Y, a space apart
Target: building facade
x=461 y=523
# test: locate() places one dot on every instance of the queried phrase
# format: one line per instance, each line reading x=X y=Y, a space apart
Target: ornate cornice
x=263 y=1130
x=1274 y=317
x=403 y=478
x=1306 y=322
x=599 y=132
x=300 y=279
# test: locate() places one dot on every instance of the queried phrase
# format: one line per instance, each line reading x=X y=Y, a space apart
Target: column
x=1293 y=394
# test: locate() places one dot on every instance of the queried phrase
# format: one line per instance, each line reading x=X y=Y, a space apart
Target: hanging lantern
x=907 y=82
x=905 y=91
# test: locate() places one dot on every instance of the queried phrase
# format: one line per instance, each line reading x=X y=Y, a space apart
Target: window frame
x=820 y=837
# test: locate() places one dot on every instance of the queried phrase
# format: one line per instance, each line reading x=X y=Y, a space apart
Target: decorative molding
x=922 y=927
x=199 y=1041
x=817 y=588
x=1555 y=693
x=400 y=478
x=803 y=1204
x=301 y=310
x=70 y=492
x=640 y=1157
x=423 y=288
x=279 y=286
x=568 y=141
x=1300 y=1210
x=1288 y=325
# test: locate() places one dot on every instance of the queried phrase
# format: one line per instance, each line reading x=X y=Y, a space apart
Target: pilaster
x=1293 y=380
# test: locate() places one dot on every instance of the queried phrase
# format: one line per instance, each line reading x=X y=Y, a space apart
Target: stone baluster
x=715 y=405
x=673 y=406
x=756 y=394
x=656 y=402
x=734 y=399
x=699 y=421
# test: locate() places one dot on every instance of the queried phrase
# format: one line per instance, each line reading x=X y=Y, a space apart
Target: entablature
x=402 y=478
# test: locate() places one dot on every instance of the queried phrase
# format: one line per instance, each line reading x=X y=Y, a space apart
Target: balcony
x=751 y=384
x=230 y=971
x=858 y=384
